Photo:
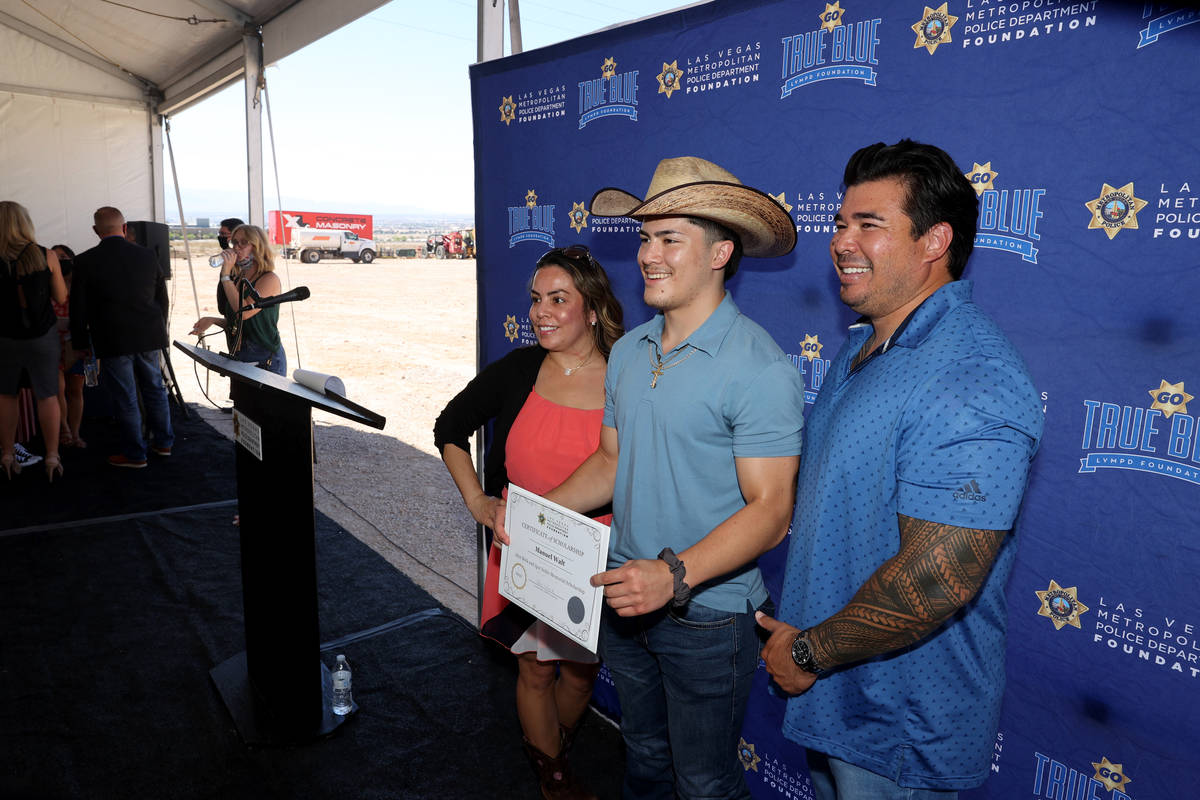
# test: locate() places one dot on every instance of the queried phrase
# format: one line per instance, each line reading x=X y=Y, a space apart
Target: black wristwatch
x=802 y=654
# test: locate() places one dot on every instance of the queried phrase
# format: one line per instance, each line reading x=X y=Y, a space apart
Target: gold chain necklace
x=862 y=353
x=568 y=371
x=659 y=368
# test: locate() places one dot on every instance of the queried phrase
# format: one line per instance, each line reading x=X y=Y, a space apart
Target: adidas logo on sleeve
x=970 y=491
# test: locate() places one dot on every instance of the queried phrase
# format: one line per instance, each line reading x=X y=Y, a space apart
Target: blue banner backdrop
x=1076 y=122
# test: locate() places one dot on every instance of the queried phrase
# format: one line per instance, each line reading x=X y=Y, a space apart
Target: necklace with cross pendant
x=658 y=367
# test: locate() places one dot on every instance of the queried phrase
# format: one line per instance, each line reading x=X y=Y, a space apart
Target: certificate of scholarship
x=547 y=567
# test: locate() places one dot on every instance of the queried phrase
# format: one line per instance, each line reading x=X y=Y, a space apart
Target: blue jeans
x=683 y=678
x=263 y=358
x=834 y=779
x=124 y=376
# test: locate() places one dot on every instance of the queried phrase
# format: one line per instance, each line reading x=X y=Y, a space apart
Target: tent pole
x=253 y=50
x=279 y=219
x=514 y=26
x=489 y=34
x=187 y=249
x=157 y=200
x=489 y=39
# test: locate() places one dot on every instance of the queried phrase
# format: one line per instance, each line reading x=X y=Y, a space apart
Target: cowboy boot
x=567 y=737
x=554 y=776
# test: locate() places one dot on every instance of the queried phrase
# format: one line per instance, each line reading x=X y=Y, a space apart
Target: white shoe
x=24 y=457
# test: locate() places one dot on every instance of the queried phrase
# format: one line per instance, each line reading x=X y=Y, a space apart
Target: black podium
x=278 y=689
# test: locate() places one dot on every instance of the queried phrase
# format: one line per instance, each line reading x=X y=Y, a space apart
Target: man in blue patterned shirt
x=892 y=619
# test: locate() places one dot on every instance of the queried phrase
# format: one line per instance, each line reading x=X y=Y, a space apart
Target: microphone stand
x=173 y=384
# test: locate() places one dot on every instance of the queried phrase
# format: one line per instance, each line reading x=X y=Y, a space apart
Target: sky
x=373 y=118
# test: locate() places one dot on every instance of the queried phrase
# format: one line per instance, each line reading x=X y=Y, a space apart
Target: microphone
x=299 y=293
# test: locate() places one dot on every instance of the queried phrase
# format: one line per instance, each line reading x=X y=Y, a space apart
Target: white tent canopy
x=84 y=85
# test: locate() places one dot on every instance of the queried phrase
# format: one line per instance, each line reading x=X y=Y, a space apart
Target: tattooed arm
x=938 y=569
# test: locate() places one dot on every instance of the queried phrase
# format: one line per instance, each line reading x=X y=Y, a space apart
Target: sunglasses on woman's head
x=575 y=252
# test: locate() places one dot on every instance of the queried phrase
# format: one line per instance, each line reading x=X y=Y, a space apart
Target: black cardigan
x=495 y=394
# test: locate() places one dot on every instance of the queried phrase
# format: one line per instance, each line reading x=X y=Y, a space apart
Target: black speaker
x=154 y=236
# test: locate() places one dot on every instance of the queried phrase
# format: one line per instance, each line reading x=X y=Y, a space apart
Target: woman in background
x=29 y=280
x=547 y=405
x=248 y=269
x=70 y=366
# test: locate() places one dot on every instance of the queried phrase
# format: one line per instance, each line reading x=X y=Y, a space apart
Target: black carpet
x=199 y=471
x=108 y=630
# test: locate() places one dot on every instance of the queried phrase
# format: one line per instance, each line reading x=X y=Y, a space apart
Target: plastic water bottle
x=216 y=261
x=91 y=371
x=342 y=697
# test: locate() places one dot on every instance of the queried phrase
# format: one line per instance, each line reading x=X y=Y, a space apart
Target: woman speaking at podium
x=247 y=275
x=547 y=405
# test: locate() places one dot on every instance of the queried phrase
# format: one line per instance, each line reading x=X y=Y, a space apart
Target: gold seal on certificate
x=548 y=566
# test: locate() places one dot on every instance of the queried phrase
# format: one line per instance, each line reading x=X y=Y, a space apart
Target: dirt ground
x=400 y=333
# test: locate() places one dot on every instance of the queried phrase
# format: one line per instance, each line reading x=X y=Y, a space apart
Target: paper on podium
x=320 y=382
x=331 y=386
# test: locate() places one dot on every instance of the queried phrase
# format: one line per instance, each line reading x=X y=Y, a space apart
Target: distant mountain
x=443 y=220
x=219 y=204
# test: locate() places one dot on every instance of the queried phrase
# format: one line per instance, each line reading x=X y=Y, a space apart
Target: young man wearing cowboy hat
x=698 y=453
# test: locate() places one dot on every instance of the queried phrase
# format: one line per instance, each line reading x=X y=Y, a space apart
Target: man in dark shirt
x=118 y=304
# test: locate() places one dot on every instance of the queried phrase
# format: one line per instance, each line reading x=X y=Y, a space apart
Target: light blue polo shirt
x=730 y=393
x=940 y=427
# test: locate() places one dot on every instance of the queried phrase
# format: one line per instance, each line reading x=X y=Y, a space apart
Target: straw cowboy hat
x=693 y=187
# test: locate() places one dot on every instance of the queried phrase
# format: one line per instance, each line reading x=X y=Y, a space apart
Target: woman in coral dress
x=546 y=403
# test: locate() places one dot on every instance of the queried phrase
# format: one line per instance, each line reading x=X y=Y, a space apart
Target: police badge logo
x=511 y=329
x=670 y=78
x=934 y=28
x=1061 y=605
x=810 y=348
x=747 y=756
x=579 y=215
x=981 y=176
x=831 y=17
x=1115 y=209
x=1111 y=775
x=508 y=110
x=1170 y=398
